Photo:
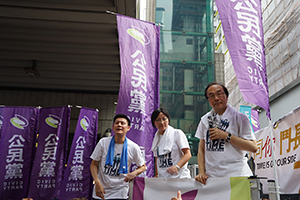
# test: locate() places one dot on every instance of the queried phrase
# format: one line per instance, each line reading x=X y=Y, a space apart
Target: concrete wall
x=105 y=103
x=282 y=104
x=219 y=68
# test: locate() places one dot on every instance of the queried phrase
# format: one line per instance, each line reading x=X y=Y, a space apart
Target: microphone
x=213 y=122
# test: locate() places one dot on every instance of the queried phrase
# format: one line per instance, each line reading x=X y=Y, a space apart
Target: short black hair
x=215 y=83
x=122 y=116
x=156 y=113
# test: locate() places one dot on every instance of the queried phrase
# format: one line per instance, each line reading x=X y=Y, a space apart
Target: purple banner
x=17 y=147
x=255 y=120
x=243 y=29
x=78 y=181
x=51 y=153
x=139 y=86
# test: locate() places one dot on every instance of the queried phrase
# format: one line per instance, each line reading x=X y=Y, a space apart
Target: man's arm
x=246 y=145
x=201 y=177
x=99 y=189
x=135 y=173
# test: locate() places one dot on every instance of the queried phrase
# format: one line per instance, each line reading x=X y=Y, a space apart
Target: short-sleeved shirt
x=222 y=158
x=172 y=158
x=113 y=182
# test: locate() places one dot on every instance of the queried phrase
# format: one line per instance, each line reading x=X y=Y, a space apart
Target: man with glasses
x=225 y=136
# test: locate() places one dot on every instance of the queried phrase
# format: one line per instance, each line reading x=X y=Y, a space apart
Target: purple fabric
x=46 y=179
x=78 y=182
x=255 y=120
x=138 y=188
x=243 y=29
x=17 y=149
x=139 y=86
x=190 y=195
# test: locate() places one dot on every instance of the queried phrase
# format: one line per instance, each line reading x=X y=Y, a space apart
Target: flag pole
x=274 y=162
x=110 y=12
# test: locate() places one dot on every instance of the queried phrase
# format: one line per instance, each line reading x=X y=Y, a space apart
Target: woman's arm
x=155 y=168
x=185 y=158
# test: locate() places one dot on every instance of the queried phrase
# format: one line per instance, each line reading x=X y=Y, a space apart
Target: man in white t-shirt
x=225 y=135
x=111 y=161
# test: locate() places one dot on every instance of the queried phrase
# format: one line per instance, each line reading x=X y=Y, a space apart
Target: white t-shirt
x=165 y=161
x=113 y=182
x=223 y=159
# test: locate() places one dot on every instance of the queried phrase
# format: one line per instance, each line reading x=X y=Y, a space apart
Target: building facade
x=187 y=62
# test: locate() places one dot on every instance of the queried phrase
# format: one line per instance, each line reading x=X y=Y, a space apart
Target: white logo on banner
x=15 y=158
x=139 y=35
x=1 y=121
x=19 y=122
x=85 y=123
x=77 y=167
x=49 y=156
x=53 y=121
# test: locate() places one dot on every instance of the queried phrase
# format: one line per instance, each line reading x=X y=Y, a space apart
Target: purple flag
x=255 y=120
x=139 y=86
x=243 y=29
x=17 y=147
x=47 y=172
x=78 y=181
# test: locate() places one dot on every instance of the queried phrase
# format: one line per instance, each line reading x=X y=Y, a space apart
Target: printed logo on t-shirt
x=114 y=169
x=165 y=160
x=217 y=145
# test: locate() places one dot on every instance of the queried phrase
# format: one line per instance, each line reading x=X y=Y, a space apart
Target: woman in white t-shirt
x=170 y=148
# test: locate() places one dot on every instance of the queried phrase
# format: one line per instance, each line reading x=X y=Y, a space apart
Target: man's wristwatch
x=178 y=168
x=228 y=137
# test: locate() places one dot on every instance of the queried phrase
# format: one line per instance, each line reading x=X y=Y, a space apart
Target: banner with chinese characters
x=139 y=85
x=46 y=179
x=17 y=145
x=78 y=182
x=242 y=25
x=286 y=145
x=225 y=188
